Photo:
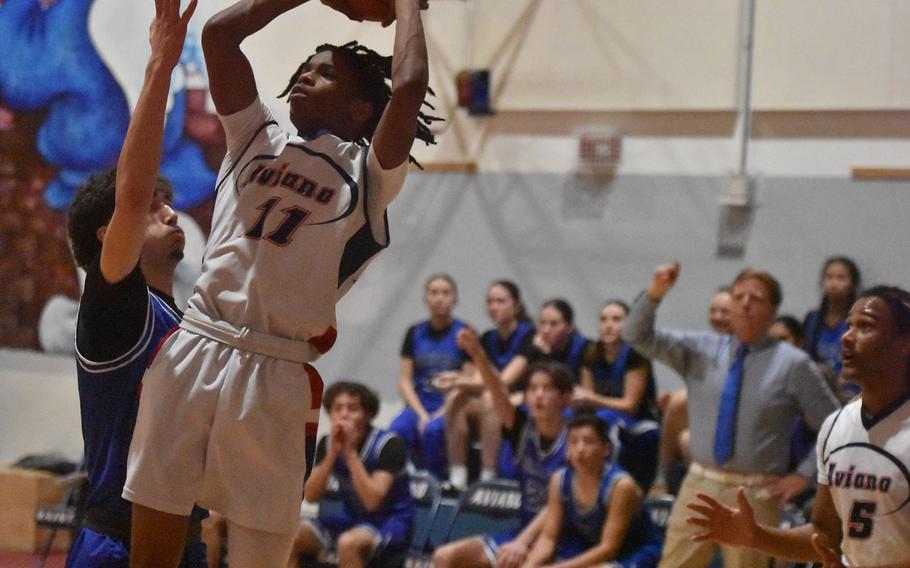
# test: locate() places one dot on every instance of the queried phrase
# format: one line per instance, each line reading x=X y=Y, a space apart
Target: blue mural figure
x=48 y=63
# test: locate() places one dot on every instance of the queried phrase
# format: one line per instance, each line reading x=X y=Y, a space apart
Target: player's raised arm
x=397 y=128
x=231 y=80
x=505 y=410
x=137 y=167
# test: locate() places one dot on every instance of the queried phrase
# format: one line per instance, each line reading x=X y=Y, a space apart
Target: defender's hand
x=167 y=32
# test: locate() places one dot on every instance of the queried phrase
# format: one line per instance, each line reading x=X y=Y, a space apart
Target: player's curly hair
x=372 y=73
x=92 y=208
x=368 y=399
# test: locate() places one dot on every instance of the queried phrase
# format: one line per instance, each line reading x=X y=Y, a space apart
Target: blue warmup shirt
x=535 y=460
x=397 y=502
x=433 y=351
x=609 y=380
x=582 y=528
x=500 y=350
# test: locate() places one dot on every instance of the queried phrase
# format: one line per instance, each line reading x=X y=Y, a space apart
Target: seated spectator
x=376 y=516
x=840 y=282
x=673 y=456
x=472 y=405
x=538 y=435
x=594 y=513
x=787 y=328
x=555 y=340
x=618 y=383
x=429 y=352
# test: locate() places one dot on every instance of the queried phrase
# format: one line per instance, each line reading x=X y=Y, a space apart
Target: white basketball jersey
x=866 y=468
x=295 y=223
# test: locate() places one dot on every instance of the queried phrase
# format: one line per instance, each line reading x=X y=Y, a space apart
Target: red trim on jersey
x=324 y=342
x=316 y=386
x=164 y=338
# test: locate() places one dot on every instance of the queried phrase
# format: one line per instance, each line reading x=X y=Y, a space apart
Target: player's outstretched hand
x=830 y=557
x=167 y=32
x=736 y=527
x=664 y=278
x=468 y=342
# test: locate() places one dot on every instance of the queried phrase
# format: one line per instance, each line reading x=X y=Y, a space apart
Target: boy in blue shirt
x=538 y=436
x=593 y=513
x=369 y=466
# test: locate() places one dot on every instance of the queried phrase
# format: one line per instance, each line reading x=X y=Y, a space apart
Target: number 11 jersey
x=295 y=223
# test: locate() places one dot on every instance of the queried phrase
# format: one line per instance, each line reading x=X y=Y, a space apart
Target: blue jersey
x=582 y=527
x=500 y=350
x=433 y=351
x=397 y=502
x=535 y=462
x=572 y=356
x=823 y=342
x=109 y=401
x=609 y=379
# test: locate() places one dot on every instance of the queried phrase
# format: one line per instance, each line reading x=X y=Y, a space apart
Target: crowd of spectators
x=536 y=402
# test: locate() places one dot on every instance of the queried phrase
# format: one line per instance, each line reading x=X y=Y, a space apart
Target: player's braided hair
x=372 y=73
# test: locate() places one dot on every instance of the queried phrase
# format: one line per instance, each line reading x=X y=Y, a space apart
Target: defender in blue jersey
x=538 y=435
x=124 y=233
x=364 y=471
x=593 y=509
x=429 y=352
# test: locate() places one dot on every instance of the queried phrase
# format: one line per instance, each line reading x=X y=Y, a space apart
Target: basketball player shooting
x=230 y=404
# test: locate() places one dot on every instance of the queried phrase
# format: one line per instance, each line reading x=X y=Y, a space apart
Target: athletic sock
x=458 y=476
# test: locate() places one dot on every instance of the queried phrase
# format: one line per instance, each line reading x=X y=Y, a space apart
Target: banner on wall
x=68 y=80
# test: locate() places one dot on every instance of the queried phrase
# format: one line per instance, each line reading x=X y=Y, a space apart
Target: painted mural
x=69 y=73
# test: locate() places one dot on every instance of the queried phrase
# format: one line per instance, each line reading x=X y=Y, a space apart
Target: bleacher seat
x=486 y=507
x=426 y=493
x=658 y=508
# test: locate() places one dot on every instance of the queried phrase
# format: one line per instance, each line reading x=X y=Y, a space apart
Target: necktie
x=726 y=412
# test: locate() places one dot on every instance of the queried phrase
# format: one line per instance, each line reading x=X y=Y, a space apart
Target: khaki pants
x=680 y=551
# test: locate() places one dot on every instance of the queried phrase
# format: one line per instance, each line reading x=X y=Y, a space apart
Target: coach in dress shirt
x=776 y=383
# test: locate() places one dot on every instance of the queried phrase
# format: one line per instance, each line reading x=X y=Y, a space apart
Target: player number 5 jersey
x=865 y=466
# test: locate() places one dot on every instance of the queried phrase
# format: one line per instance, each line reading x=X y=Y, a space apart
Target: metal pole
x=744 y=106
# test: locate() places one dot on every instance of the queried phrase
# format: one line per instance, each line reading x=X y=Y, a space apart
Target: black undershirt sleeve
x=393 y=456
x=407 y=347
x=112 y=317
x=322 y=448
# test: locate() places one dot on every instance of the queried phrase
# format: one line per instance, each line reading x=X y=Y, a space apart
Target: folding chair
x=66 y=515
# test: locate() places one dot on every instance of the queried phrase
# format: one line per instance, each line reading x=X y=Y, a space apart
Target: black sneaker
x=449 y=490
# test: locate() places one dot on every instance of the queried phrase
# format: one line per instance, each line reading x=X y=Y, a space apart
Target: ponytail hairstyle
x=814 y=325
x=564 y=309
x=372 y=74
x=514 y=292
x=598 y=351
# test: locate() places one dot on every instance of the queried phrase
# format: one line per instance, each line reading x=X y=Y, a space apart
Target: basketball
x=369 y=10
